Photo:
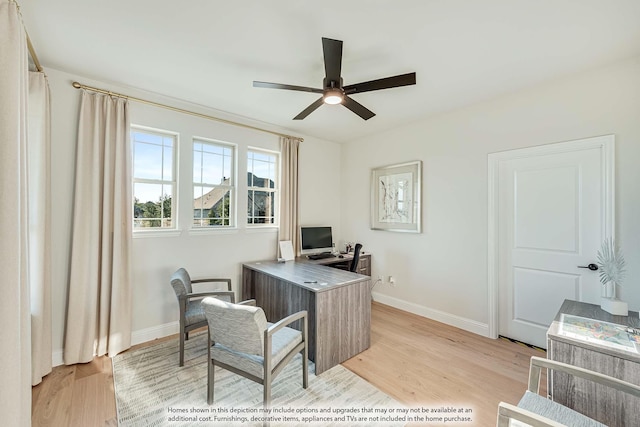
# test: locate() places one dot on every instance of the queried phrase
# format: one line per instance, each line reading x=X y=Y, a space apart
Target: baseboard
x=155 y=332
x=437 y=315
x=161 y=331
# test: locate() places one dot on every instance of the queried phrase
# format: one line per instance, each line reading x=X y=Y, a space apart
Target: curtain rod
x=179 y=110
x=32 y=52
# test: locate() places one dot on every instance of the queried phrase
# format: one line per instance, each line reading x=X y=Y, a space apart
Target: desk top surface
x=330 y=260
x=588 y=326
x=317 y=278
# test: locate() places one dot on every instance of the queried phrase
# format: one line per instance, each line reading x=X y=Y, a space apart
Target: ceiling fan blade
x=287 y=87
x=310 y=109
x=357 y=108
x=332 y=50
x=385 y=83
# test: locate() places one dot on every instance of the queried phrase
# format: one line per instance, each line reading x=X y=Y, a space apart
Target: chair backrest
x=181 y=282
x=236 y=326
x=356 y=258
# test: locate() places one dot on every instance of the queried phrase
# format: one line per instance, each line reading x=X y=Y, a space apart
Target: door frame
x=606 y=144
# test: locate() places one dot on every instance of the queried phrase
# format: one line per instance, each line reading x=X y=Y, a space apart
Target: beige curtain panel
x=99 y=307
x=289 y=211
x=39 y=155
x=15 y=333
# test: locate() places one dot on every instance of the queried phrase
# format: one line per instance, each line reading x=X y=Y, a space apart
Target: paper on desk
x=286 y=250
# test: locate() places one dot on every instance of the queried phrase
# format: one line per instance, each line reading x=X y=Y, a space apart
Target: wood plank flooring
x=77 y=395
x=424 y=363
x=417 y=361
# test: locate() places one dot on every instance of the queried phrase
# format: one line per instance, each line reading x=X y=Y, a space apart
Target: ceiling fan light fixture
x=333 y=96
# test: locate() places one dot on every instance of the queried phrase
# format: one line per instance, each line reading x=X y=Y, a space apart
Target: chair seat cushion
x=194 y=313
x=282 y=343
x=548 y=408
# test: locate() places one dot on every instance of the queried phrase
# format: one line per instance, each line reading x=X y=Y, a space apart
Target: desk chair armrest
x=195 y=295
x=537 y=363
x=214 y=280
x=508 y=412
x=287 y=321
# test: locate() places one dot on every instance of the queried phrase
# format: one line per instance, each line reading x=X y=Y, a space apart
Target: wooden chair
x=243 y=342
x=539 y=411
x=191 y=313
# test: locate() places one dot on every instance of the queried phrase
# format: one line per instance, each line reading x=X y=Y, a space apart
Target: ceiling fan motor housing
x=332 y=94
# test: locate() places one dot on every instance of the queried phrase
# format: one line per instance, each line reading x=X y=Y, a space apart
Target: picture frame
x=396 y=192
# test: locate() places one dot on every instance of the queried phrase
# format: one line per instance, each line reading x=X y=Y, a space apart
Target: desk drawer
x=364 y=265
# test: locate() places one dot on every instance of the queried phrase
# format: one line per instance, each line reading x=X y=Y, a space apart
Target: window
x=213 y=184
x=262 y=169
x=154 y=179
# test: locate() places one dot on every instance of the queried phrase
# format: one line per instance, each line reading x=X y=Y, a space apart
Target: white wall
x=209 y=253
x=442 y=273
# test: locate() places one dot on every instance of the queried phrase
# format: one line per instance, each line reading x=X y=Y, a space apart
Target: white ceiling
x=209 y=52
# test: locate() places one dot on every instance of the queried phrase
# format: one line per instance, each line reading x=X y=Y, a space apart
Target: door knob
x=592 y=267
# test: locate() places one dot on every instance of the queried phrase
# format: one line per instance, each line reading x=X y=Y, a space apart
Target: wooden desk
x=338 y=305
x=364 y=263
x=608 y=406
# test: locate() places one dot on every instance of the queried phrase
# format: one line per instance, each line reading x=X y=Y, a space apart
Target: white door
x=554 y=209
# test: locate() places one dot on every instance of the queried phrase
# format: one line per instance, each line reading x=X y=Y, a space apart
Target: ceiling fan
x=333 y=92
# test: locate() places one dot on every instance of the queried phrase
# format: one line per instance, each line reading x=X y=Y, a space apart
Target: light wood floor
x=417 y=361
x=424 y=363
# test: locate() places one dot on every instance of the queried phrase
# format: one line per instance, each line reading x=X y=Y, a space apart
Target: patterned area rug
x=152 y=390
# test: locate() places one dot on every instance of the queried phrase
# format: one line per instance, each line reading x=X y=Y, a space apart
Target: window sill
x=212 y=230
x=262 y=228
x=141 y=234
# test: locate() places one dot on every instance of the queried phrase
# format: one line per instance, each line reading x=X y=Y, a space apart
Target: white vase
x=610 y=303
x=609 y=290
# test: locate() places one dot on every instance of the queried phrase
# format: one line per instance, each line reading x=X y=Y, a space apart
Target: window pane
x=167 y=205
x=213 y=149
x=147 y=161
x=212 y=169
x=262 y=170
x=227 y=166
x=152 y=205
x=144 y=192
x=216 y=165
x=147 y=137
x=212 y=177
x=153 y=186
x=219 y=212
x=202 y=201
x=167 y=167
x=261 y=204
x=197 y=165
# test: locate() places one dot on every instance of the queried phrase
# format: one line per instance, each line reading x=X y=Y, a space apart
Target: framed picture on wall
x=395 y=197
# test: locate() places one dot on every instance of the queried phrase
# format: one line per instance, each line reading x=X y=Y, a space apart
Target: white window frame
x=275 y=190
x=231 y=185
x=173 y=182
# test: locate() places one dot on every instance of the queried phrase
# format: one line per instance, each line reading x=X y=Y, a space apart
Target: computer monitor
x=314 y=240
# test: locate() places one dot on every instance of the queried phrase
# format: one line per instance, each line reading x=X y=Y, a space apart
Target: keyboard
x=322 y=255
